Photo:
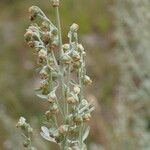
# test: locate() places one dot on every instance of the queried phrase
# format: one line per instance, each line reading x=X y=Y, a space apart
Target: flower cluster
x=63 y=77
x=26 y=132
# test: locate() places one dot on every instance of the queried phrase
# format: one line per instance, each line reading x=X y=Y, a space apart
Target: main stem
x=61 y=52
x=59 y=30
x=64 y=145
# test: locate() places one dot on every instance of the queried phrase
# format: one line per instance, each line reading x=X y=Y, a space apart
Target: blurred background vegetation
x=100 y=23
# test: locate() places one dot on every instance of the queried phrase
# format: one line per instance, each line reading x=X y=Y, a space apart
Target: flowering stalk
x=63 y=78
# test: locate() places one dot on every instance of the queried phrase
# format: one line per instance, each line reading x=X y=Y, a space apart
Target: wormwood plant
x=63 y=78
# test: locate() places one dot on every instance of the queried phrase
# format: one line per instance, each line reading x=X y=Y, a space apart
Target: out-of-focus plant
x=133 y=34
x=63 y=78
x=26 y=133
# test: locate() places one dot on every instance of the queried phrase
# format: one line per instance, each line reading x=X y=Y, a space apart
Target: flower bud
x=71 y=100
x=28 y=35
x=66 y=47
x=45 y=26
x=55 y=44
x=54 y=32
x=75 y=56
x=80 y=47
x=42 y=54
x=63 y=129
x=52 y=97
x=44 y=85
x=74 y=27
x=44 y=73
x=50 y=60
x=72 y=130
x=76 y=65
x=46 y=37
x=31 y=44
x=26 y=143
x=87 y=80
x=34 y=10
x=55 y=3
x=78 y=119
x=54 y=109
x=48 y=115
x=21 y=122
x=76 y=89
x=40 y=61
x=87 y=117
x=66 y=59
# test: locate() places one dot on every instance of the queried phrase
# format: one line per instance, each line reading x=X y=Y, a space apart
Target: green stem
x=60 y=53
x=59 y=31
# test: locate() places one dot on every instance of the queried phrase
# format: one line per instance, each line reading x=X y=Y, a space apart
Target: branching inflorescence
x=63 y=77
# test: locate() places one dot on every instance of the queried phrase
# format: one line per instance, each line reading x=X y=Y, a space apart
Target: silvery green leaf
x=45 y=130
x=45 y=134
x=38 y=93
x=86 y=133
x=42 y=96
x=91 y=109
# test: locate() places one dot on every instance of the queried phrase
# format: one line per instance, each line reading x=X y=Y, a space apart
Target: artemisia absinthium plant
x=63 y=78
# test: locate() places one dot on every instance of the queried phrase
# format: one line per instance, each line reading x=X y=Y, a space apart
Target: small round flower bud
x=54 y=109
x=52 y=97
x=55 y=44
x=72 y=130
x=54 y=31
x=76 y=89
x=63 y=129
x=26 y=144
x=44 y=85
x=28 y=35
x=87 y=80
x=71 y=100
x=75 y=56
x=46 y=37
x=34 y=10
x=45 y=26
x=21 y=122
x=80 y=47
x=76 y=65
x=31 y=44
x=44 y=73
x=87 y=117
x=55 y=3
x=50 y=60
x=74 y=27
x=66 y=59
x=40 y=61
x=42 y=54
x=78 y=119
x=66 y=47
x=48 y=114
